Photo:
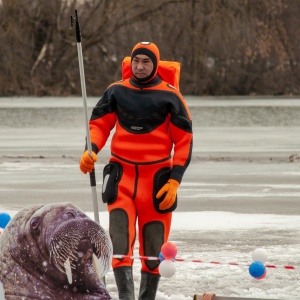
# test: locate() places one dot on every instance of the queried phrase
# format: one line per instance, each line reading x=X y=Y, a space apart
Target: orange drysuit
x=151 y=144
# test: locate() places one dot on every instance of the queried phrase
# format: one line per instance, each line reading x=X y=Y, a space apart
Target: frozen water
x=241 y=191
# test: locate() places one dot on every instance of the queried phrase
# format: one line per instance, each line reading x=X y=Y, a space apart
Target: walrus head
x=60 y=245
x=74 y=242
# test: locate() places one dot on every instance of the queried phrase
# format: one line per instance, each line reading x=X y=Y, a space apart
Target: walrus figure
x=54 y=251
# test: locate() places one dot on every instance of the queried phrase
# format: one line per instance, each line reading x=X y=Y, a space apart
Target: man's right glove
x=87 y=162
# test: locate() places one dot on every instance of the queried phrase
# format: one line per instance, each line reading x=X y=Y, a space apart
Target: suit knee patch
x=118 y=230
x=153 y=239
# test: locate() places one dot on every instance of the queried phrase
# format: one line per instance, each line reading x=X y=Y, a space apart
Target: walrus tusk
x=68 y=271
x=96 y=265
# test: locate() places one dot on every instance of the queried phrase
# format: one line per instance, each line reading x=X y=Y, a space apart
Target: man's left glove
x=170 y=188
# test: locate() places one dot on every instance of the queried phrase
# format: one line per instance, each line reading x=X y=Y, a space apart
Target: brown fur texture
x=54 y=251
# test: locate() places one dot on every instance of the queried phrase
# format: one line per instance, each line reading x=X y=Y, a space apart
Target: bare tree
x=226 y=47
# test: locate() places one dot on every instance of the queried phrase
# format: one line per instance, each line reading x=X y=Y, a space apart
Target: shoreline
x=192 y=101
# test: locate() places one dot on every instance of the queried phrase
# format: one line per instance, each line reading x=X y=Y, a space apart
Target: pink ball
x=169 y=250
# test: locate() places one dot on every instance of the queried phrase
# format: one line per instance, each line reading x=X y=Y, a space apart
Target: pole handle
x=93 y=178
x=77 y=28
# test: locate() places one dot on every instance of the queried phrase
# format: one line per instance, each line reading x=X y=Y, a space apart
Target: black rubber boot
x=124 y=281
x=149 y=285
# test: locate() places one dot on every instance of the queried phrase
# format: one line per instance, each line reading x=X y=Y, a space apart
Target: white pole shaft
x=88 y=136
x=83 y=89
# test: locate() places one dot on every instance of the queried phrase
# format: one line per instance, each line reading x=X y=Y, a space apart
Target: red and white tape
x=287 y=267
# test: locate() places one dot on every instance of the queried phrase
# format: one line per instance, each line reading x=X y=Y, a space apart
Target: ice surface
x=240 y=192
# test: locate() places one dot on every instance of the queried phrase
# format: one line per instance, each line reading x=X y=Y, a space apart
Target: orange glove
x=170 y=188
x=87 y=162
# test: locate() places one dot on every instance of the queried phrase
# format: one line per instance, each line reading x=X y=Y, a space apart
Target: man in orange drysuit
x=141 y=180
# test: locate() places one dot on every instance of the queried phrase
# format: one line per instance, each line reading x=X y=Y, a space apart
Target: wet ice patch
x=25 y=166
x=2 y=294
x=231 y=195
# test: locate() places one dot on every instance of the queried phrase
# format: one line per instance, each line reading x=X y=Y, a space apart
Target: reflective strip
x=105 y=182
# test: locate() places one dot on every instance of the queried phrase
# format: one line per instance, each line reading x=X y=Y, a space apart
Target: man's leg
x=122 y=230
x=119 y=232
x=154 y=229
x=124 y=281
x=148 y=286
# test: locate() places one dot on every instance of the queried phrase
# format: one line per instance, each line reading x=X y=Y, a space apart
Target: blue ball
x=4 y=219
x=161 y=257
x=257 y=269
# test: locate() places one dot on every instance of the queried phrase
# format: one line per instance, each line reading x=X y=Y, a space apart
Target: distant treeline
x=225 y=47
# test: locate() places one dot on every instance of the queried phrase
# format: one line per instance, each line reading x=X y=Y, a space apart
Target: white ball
x=167 y=268
x=260 y=254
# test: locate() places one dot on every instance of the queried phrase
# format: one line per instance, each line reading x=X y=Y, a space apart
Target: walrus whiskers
x=64 y=247
x=61 y=251
x=102 y=248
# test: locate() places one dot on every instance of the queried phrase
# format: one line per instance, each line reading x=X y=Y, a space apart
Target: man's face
x=142 y=66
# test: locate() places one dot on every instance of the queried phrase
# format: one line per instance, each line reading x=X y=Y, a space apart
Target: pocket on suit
x=112 y=174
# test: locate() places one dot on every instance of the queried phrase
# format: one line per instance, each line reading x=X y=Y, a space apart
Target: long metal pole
x=88 y=137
